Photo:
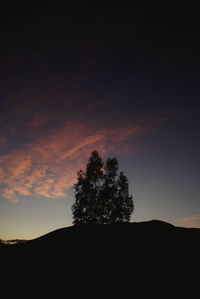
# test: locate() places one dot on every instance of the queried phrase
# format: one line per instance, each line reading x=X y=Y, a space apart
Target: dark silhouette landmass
x=127 y=260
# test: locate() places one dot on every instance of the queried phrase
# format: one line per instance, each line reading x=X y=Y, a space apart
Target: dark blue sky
x=122 y=80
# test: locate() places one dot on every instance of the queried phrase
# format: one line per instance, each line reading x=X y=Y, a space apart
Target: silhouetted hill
x=138 y=260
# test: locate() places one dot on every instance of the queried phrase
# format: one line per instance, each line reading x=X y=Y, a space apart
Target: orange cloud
x=48 y=165
x=9 y=194
x=191 y=221
x=38 y=120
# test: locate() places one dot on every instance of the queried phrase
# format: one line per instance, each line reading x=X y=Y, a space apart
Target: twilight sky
x=121 y=80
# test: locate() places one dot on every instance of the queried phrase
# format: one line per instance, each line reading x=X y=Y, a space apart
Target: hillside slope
x=147 y=260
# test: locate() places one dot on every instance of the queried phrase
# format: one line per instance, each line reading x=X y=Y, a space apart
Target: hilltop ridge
x=146 y=258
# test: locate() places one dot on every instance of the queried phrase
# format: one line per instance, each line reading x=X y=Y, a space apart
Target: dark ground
x=133 y=260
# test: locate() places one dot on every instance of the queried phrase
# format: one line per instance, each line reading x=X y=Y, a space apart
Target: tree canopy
x=101 y=193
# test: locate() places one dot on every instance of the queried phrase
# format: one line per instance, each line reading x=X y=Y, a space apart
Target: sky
x=122 y=80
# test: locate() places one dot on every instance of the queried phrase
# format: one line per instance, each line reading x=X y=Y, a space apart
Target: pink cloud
x=38 y=120
x=9 y=194
x=47 y=165
x=190 y=221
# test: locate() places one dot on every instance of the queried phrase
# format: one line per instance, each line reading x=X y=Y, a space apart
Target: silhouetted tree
x=109 y=191
x=124 y=202
x=87 y=191
x=101 y=194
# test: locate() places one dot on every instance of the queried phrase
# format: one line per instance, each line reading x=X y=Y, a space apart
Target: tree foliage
x=101 y=193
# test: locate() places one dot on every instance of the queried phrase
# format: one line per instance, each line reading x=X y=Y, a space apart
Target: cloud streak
x=45 y=143
x=190 y=221
x=47 y=166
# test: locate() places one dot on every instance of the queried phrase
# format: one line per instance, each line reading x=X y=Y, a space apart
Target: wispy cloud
x=45 y=143
x=190 y=221
x=47 y=166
